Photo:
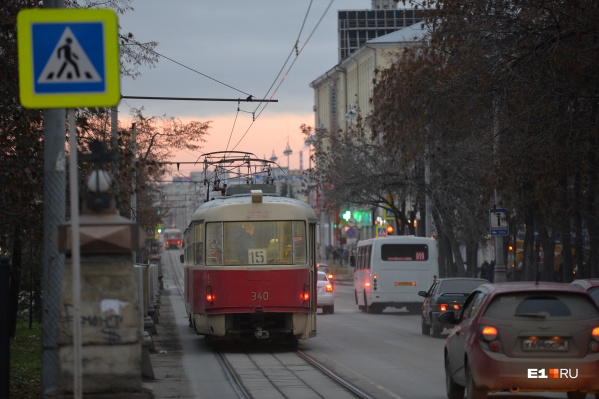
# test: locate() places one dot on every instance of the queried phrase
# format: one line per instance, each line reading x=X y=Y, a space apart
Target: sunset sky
x=231 y=49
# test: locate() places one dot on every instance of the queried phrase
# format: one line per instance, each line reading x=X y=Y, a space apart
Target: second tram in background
x=250 y=260
x=173 y=239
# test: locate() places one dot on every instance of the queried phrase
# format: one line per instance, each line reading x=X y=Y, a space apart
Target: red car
x=591 y=286
x=523 y=337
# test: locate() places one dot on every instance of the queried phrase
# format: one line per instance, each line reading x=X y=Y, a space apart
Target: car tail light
x=209 y=295
x=305 y=295
x=329 y=288
x=489 y=333
x=594 y=344
x=444 y=307
x=330 y=276
x=495 y=346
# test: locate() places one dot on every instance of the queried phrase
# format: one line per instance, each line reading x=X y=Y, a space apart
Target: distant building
x=344 y=91
x=356 y=27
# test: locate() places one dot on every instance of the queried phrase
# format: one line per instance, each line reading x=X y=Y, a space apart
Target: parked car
x=323 y=267
x=591 y=286
x=325 y=298
x=523 y=337
x=445 y=294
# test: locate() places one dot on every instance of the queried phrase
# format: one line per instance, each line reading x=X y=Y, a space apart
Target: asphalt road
x=385 y=355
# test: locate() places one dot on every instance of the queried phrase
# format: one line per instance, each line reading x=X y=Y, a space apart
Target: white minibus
x=389 y=272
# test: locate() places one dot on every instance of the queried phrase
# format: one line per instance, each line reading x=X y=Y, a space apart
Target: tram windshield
x=256 y=243
x=172 y=234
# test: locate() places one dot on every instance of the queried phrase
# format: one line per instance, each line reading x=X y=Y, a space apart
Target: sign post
x=68 y=58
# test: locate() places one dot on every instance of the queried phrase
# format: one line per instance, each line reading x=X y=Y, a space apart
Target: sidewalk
x=170 y=379
x=342 y=274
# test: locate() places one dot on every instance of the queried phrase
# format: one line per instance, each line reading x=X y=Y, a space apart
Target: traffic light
x=346 y=215
x=362 y=217
x=390 y=230
x=158 y=211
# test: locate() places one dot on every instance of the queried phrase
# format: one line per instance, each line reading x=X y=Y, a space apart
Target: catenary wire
x=185 y=66
x=288 y=70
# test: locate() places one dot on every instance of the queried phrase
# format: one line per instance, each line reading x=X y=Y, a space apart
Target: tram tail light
x=209 y=295
x=305 y=295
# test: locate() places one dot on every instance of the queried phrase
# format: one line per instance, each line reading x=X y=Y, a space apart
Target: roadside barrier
x=148 y=278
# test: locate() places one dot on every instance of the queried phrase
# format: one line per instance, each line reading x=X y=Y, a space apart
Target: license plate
x=544 y=345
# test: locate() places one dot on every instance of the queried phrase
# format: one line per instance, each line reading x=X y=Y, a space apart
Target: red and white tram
x=250 y=266
x=172 y=238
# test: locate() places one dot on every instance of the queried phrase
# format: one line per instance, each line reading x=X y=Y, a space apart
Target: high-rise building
x=356 y=27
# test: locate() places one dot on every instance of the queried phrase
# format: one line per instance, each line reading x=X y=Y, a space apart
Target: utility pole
x=54 y=215
x=5 y=323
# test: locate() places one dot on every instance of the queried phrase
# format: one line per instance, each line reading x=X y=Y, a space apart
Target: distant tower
x=301 y=155
x=288 y=151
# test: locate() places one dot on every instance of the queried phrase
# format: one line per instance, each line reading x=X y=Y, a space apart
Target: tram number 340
x=260 y=296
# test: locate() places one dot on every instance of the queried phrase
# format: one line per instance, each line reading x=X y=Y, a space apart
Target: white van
x=389 y=272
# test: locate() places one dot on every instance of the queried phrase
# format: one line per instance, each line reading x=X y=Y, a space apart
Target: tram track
x=252 y=370
x=177 y=272
x=283 y=373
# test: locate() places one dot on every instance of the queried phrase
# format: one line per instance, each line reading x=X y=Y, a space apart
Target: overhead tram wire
x=186 y=67
x=298 y=52
x=275 y=79
x=250 y=97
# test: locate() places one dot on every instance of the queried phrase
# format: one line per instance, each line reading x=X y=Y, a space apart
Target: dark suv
x=446 y=294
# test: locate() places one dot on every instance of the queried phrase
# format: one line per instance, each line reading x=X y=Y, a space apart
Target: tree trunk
x=472 y=259
x=578 y=246
x=530 y=264
x=548 y=245
x=15 y=279
x=458 y=264
x=566 y=266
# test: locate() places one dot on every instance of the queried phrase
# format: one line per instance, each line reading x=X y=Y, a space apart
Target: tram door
x=312 y=256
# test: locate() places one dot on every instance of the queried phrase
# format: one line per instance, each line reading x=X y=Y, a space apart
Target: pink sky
x=269 y=132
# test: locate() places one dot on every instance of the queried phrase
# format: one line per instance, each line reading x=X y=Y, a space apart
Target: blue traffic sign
x=498 y=222
x=68 y=58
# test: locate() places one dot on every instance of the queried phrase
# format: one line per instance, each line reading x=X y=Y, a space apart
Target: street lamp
x=288 y=152
x=351 y=114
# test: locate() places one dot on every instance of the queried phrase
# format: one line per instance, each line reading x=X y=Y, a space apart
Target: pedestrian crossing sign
x=68 y=58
